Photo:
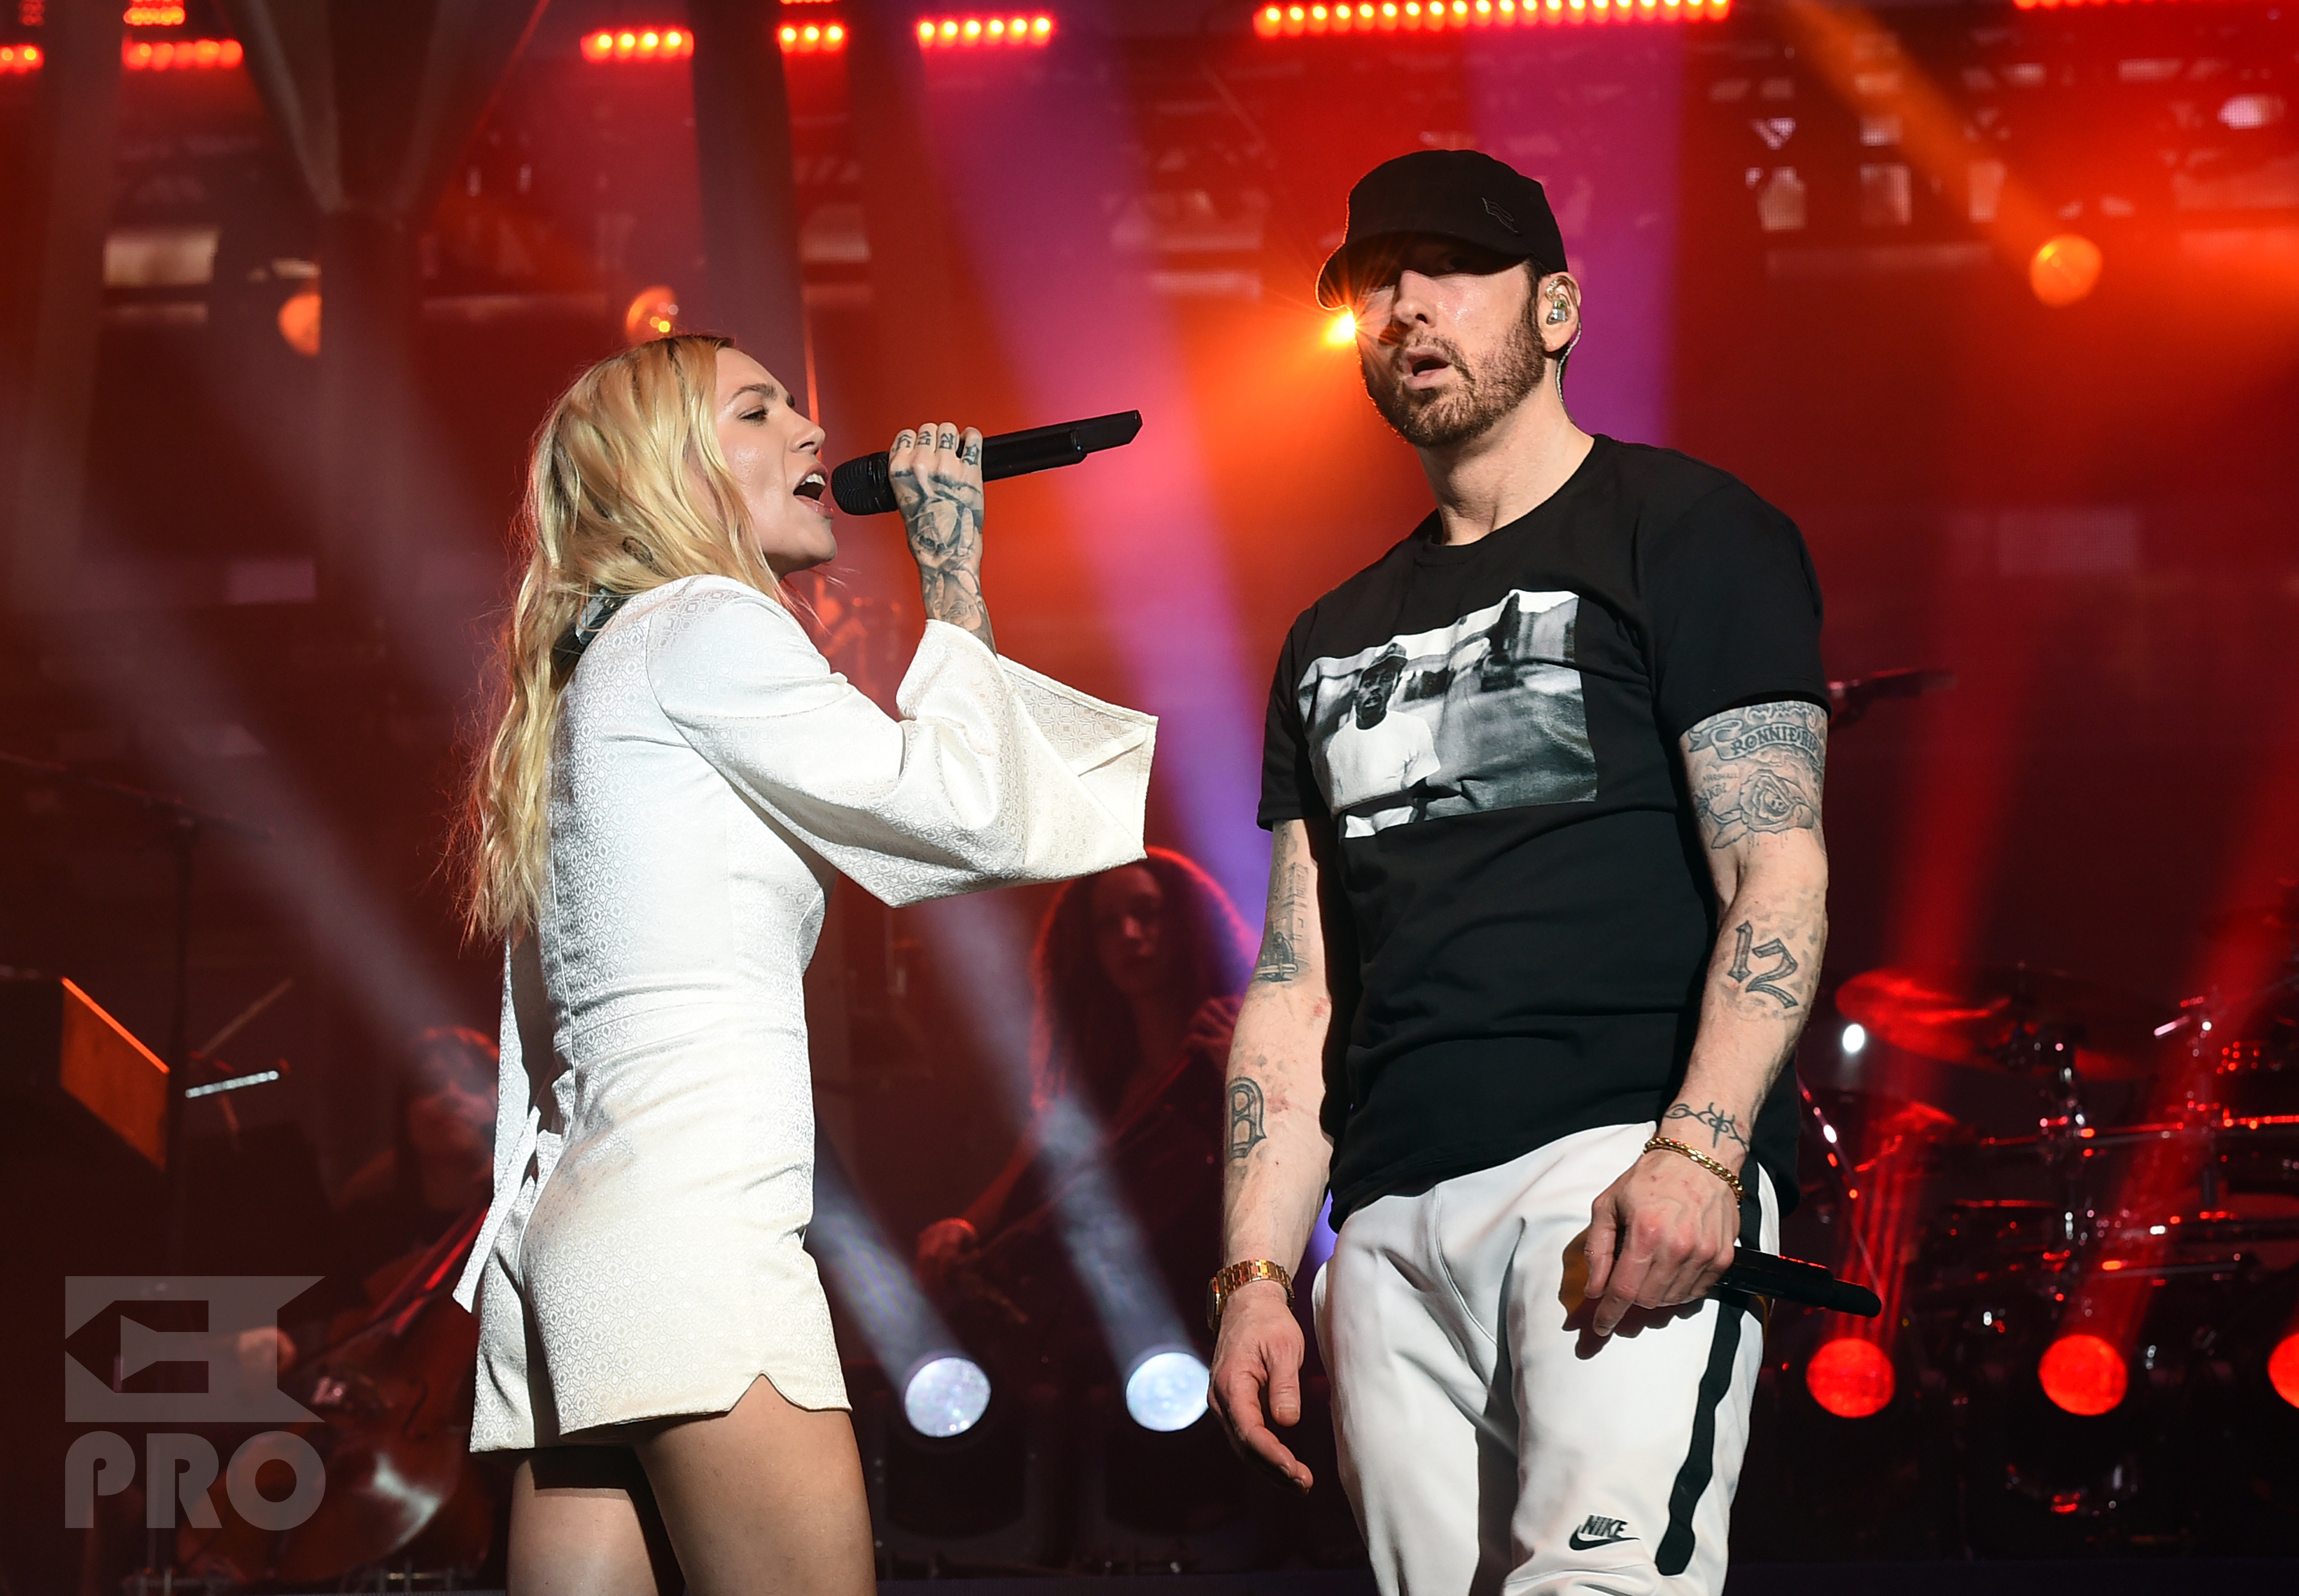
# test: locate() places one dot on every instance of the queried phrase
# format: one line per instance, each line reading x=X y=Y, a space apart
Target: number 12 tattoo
x=1743 y=935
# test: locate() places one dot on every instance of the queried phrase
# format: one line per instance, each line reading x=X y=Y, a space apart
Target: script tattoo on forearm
x=1759 y=768
x=1748 y=978
x=1246 y=1110
x=1721 y=1127
x=1290 y=907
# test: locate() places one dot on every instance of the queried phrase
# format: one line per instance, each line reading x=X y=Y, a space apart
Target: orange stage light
x=180 y=54
x=1432 y=16
x=2064 y=270
x=1850 y=1378
x=145 y=15
x=1341 y=331
x=641 y=44
x=2283 y=1369
x=2082 y=1374
x=976 y=32
x=299 y=323
x=19 y=58
x=652 y=313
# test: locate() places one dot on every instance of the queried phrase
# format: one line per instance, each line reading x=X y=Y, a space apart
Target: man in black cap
x=1533 y=1033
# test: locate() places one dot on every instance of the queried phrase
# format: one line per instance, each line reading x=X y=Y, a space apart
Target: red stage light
x=19 y=58
x=299 y=322
x=181 y=54
x=639 y=44
x=2283 y=1369
x=148 y=15
x=2082 y=1374
x=812 y=38
x=2064 y=270
x=1850 y=1378
x=652 y=314
x=975 y=33
x=1432 y=16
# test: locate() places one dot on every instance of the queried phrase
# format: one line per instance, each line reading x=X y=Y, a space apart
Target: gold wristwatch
x=1230 y=1277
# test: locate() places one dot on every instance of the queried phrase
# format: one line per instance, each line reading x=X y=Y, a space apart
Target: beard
x=1486 y=392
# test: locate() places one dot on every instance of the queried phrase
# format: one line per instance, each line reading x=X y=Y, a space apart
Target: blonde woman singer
x=675 y=780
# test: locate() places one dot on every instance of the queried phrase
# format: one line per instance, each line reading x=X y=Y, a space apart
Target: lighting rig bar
x=1471 y=16
x=967 y=33
x=183 y=55
x=640 y=44
x=812 y=38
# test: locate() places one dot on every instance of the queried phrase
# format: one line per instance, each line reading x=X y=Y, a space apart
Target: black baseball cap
x=1453 y=194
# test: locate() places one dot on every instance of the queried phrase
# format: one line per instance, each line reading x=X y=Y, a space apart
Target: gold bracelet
x=1669 y=1143
x=1231 y=1276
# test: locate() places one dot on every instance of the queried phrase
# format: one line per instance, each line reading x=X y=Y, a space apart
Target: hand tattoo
x=1759 y=768
x=943 y=519
x=1721 y=1127
x=1245 y=1118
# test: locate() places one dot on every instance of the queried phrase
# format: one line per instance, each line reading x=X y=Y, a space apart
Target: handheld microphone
x=862 y=489
x=1793 y=1280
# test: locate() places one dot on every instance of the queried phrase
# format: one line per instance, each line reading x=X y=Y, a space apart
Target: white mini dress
x=644 y=1256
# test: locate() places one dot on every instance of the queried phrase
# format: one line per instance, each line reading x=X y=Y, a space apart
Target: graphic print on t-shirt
x=1485 y=714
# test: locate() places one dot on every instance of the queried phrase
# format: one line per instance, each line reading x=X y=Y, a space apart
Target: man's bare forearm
x=1278 y=1155
x=1762 y=977
x=1756 y=774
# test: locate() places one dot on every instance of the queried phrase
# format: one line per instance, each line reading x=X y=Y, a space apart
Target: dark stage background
x=266 y=581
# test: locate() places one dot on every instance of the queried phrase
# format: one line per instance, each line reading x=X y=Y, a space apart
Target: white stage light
x=1166 y=1390
x=946 y=1396
x=1855 y=1037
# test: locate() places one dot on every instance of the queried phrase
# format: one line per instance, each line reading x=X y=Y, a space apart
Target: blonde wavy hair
x=625 y=490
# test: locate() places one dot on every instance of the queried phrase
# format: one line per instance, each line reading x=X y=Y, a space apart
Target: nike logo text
x=1596 y=1531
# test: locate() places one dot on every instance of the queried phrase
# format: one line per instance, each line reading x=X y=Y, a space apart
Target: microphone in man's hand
x=1793 y=1280
x=862 y=488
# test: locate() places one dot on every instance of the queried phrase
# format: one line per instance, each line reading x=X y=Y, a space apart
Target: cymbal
x=1973 y=1014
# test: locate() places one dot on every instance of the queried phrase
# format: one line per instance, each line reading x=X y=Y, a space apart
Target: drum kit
x=2132 y=1268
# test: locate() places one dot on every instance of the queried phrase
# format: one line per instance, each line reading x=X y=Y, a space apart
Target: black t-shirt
x=1493 y=728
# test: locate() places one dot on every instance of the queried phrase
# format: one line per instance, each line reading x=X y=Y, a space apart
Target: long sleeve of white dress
x=994 y=774
x=644 y=1256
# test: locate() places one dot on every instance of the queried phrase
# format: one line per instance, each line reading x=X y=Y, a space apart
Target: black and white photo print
x=1485 y=714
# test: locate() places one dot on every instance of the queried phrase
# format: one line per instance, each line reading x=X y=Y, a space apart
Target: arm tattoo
x=1758 y=768
x=1741 y=972
x=1245 y=1118
x=943 y=520
x=1722 y=1126
x=1290 y=908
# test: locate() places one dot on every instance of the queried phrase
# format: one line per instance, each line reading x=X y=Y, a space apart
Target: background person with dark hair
x=1137 y=973
x=440 y=1160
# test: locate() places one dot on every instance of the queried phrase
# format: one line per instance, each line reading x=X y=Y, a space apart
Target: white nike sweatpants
x=1488 y=1443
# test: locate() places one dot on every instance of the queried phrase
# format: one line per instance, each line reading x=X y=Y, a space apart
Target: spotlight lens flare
x=1850 y=1378
x=947 y=1396
x=2083 y=1374
x=1342 y=330
x=1166 y=1390
x=1854 y=1040
x=2064 y=270
x=2283 y=1369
